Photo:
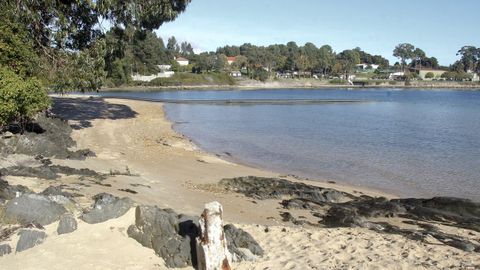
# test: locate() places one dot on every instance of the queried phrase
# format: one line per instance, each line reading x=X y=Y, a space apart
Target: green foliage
x=20 y=99
x=429 y=75
x=469 y=61
x=260 y=74
x=188 y=79
x=456 y=76
x=16 y=49
x=404 y=51
x=83 y=71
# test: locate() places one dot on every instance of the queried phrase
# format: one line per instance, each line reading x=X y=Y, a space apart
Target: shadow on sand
x=83 y=111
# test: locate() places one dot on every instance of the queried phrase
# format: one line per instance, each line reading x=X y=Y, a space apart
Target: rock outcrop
x=172 y=236
x=275 y=188
x=48 y=136
x=338 y=209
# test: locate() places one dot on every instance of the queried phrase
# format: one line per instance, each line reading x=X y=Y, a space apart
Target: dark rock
x=128 y=190
x=57 y=191
x=50 y=138
x=106 y=207
x=67 y=224
x=241 y=244
x=48 y=172
x=29 y=239
x=160 y=229
x=340 y=216
x=5 y=249
x=462 y=212
x=33 y=208
x=8 y=192
x=172 y=236
x=274 y=188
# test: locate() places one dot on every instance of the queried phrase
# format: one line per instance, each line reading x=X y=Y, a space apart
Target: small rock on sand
x=106 y=207
x=5 y=249
x=29 y=239
x=67 y=224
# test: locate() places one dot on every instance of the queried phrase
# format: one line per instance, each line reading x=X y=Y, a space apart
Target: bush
x=392 y=82
x=20 y=99
x=429 y=75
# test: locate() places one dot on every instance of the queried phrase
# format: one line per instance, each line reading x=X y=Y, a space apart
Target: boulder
x=67 y=224
x=241 y=244
x=172 y=236
x=29 y=239
x=5 y=249
x=106 y=207
x=33 y=208
x=165 y=232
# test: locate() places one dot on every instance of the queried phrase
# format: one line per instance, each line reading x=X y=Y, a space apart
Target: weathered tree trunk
x=212 y=251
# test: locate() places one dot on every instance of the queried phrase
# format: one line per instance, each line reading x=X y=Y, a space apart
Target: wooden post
x=212 y=251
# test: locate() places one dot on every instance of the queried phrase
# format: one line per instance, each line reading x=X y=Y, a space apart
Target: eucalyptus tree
x=404 y=52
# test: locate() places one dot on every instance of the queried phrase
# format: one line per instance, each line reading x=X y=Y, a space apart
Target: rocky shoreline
x=33 y=216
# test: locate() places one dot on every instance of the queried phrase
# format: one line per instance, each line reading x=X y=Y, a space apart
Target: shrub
x=429 y=75
x=20 y=99
x=392 y=82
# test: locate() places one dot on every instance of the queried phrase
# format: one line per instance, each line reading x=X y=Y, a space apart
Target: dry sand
x=173 y=173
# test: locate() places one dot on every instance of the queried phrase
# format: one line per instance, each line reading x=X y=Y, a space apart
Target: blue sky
x=439 y=27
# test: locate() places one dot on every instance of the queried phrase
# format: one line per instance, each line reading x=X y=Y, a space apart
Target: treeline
x=306 y=58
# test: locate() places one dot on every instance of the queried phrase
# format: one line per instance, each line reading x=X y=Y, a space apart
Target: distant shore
x=299 y=84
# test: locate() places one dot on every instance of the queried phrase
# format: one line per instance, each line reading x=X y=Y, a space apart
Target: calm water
x=410 y=142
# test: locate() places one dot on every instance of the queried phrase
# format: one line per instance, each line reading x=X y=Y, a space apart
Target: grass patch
x=338 y=81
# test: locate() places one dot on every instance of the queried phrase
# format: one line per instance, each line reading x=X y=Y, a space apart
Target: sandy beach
x=169 y=171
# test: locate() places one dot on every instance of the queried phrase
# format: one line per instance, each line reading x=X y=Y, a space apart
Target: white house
x=165 y=72
x=368 y=66
x=182 y=61
x=236 y=73
x=396 y=75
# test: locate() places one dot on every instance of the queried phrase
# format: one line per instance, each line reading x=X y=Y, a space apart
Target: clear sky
x=439 y=27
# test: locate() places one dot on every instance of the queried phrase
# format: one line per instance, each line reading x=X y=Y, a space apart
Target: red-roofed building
x=231 y=59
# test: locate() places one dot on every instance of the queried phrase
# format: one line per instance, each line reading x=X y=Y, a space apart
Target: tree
x=404 y=52
x=470 y=58
x=348 y=60
x=172 y=46
x=418 y=55
x=325 y=59
x=221 y=62
x=59 y=30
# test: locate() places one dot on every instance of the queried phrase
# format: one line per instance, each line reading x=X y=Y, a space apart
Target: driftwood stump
x=212 y=251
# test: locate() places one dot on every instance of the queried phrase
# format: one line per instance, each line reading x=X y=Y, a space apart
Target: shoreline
x=294 y=85
x=320 y=181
